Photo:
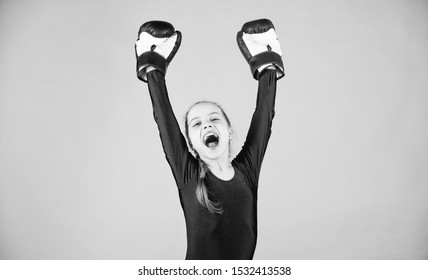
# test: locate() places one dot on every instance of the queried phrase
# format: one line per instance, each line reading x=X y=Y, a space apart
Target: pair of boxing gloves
x=158 y=42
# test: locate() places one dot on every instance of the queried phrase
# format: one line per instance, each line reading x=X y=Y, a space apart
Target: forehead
x=203 y=109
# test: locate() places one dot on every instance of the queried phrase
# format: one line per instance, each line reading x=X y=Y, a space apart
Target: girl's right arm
x=173 y=142
x=157 y=44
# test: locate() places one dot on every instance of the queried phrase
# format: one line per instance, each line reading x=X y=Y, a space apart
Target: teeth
x=209 y=134
x=209 y=141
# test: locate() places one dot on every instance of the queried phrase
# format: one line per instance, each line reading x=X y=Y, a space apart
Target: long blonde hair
x=201 y=188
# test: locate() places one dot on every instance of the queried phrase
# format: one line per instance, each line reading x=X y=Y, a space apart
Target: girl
x=218 y=195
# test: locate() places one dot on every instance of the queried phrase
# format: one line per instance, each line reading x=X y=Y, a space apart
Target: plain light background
x=82 y=171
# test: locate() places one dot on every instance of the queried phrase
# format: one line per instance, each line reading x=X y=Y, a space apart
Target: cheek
x=224 y=131
x=194 y=137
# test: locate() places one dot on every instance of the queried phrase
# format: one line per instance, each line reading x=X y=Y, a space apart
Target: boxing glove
x=259 y=44
x=156 y=46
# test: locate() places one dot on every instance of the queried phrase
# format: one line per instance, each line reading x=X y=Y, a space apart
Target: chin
x=212 y=153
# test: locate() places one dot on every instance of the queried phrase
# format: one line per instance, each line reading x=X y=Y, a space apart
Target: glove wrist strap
x=150 y=58
x=264 y=58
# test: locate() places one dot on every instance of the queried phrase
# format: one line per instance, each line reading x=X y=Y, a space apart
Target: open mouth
x=211 y=140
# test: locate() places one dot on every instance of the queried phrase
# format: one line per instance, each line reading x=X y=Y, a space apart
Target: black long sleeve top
x=232 y=234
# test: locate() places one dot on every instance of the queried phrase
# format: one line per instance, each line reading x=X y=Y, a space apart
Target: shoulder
x=243 y=169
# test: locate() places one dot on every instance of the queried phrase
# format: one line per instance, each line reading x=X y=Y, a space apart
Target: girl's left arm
x=259 y=45
x=260 y=130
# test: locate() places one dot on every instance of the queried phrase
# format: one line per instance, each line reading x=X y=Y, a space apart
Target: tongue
x=211 y=141
x=212 y=144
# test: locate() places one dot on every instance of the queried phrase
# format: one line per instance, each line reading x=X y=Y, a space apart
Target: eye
x=196 y=124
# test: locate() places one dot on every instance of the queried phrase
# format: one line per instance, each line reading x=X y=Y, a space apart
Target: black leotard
x=232 y=234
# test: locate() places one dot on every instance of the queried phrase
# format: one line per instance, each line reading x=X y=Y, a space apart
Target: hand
x=259 y=44
x=156 y=46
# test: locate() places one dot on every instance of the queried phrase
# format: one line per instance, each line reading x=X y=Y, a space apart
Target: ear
x=230 y=133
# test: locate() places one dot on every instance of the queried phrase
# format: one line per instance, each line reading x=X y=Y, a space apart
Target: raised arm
x=258 y=43
x=156 y=46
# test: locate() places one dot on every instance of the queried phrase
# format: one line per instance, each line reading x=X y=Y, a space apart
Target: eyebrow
x=213 y=113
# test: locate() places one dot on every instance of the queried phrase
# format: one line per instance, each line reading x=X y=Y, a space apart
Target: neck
x=222 y=168
x=220 y=165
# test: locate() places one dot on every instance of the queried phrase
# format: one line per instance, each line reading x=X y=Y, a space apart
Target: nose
x=207 y=125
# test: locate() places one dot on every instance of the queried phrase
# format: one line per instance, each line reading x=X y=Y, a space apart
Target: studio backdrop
x=82 y=170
